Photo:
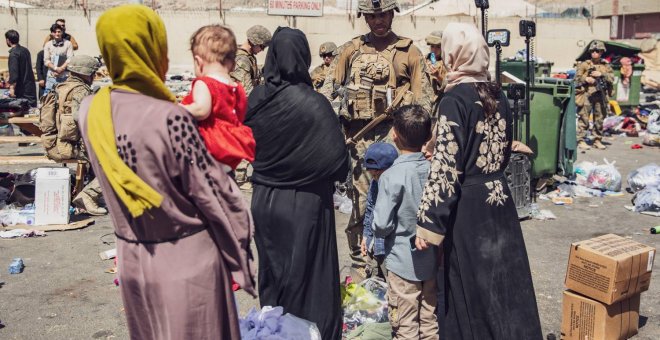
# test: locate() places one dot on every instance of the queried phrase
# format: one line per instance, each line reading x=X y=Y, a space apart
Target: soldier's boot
x=87 y=201
x=582 y=145
x=598 y=145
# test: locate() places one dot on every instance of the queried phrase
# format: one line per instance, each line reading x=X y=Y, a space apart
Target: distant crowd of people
x=51 y=63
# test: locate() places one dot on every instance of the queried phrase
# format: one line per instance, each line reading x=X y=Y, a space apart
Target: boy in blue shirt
x=378 y=158
x=411 y=279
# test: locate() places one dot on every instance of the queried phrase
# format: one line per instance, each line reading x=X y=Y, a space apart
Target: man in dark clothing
x=21 y=77
x=42 y=73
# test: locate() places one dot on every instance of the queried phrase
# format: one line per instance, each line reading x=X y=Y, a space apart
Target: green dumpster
x=517 y=68
x=627 y=97
x=551 y=127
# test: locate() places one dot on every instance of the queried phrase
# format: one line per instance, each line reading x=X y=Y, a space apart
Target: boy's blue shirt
x=400 y=190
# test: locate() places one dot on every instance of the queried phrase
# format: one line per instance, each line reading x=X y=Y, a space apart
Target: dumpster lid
x=614 y=48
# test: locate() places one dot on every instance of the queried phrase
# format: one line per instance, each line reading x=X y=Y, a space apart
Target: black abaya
x=300 y=153
x=488 y=284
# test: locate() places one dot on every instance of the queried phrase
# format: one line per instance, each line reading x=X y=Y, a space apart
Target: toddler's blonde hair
x=214 y=43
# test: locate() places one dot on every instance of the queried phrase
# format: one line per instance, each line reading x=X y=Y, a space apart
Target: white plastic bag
x=647 y=199
x=646 y=176
x=583 y=170
x=605 y=177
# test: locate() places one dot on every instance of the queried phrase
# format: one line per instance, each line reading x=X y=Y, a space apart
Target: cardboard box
x=52 y=196
x=609 y=268
x=584 y=318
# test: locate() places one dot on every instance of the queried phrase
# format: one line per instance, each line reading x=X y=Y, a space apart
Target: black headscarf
x=299 y=139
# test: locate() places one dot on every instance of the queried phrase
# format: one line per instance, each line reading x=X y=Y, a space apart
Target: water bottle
x=432 y=58
x=655 y=230
x=16 y=266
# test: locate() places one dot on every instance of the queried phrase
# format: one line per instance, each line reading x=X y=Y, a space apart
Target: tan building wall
x=558 y=40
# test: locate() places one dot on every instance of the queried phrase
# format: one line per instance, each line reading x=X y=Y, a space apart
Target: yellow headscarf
x=133 y=43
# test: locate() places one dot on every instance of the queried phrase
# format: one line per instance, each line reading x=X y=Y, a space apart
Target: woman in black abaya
x=300 y=153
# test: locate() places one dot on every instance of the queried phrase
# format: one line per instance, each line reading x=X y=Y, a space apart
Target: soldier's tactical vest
x=61 y=135
x=372 y=81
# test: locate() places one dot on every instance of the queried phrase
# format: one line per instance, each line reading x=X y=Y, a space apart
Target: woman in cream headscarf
x=183 y=229
x=489 y=292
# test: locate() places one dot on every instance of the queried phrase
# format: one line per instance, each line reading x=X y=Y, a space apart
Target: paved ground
x=65 y=294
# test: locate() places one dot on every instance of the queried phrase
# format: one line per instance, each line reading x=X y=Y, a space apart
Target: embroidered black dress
x=488 y=285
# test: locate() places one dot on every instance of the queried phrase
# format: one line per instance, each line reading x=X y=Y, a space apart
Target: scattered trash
x=364 y=303
x=342 y=201
x=604 y=177
x=14 y=214
x=636 y=147
x=647 y=199
x=15 y=233
x=655 y=230
x=544 y=215
x=108 y=254
x=270 y=323
x=646 y=176
x=562 y=200
x=16 y=266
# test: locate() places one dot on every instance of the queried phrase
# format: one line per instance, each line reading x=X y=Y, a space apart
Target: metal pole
x=498 y=53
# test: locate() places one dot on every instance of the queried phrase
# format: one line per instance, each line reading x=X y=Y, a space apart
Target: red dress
x=225 y=136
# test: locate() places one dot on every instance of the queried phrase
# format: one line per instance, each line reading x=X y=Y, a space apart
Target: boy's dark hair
x=55 y=27
x=12 y=36
x=60 y=20
x=413 y=126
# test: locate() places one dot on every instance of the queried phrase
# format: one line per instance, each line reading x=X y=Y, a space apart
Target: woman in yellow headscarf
x=182 y=226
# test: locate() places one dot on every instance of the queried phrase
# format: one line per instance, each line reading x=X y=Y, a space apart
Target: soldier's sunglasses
x=436 y=46
x=328 y=55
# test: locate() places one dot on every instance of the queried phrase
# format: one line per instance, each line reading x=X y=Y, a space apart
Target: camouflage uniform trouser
x=360 y=184
x=93 y=190
x=242 y=172
x=592 y=102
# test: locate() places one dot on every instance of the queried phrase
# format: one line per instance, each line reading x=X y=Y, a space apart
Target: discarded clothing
x=271 y=324
x=21 y=233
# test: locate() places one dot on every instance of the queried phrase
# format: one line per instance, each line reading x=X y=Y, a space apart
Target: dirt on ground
x=64 y=291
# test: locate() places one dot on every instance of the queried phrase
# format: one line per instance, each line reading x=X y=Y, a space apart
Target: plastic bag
x=647 y=199
x=651 y=139
x=364 y=303
x=269 y=323
x=583 y=170
x=342 y=201
x=605 y=177
x=646 y=176
x=653 y=124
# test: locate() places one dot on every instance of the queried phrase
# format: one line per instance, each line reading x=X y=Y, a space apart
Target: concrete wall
x=558 y=40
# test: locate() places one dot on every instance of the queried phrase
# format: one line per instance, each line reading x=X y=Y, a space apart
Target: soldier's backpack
x=60 y=134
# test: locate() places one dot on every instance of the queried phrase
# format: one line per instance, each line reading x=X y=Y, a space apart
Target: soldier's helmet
x=376 y=6
x=435 y=38
x=83 y=64
x=259 y=35
x=597 y=46
x=327 y=48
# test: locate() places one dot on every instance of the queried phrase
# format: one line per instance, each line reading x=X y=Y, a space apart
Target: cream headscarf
x=465 y=54
x=133 y=43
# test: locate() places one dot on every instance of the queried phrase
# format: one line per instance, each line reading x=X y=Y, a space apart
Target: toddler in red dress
x=216 y=101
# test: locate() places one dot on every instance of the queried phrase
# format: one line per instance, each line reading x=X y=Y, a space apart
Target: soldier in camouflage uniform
x=59 y=123
x=587 y=97
x=248 y=74
x=246 y=71
x=435 y=67
x=367 y=76
x=327 y=52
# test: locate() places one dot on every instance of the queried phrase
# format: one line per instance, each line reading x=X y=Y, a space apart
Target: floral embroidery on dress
x=443 y=174
x=491 y=149
x=491 y=154
x=496 y=195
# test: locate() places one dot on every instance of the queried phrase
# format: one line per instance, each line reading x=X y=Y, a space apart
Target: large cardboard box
x=584 y=318
x=52 y=196
x=609 y=268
